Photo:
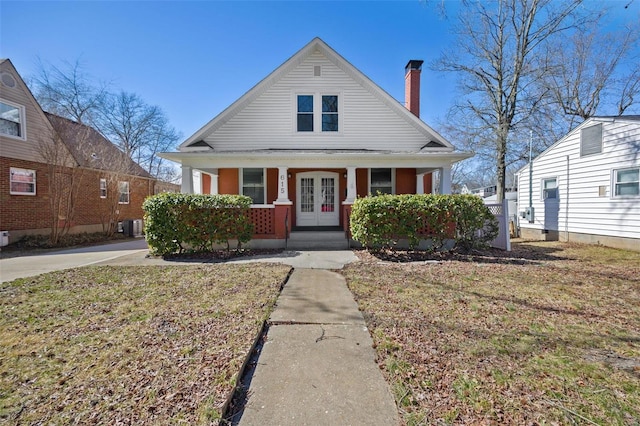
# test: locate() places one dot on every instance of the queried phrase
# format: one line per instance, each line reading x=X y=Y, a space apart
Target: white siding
x=580 y=208
x=270 y=120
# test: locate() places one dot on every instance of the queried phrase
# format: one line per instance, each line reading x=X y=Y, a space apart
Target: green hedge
x=178 y=222
x=381 y=221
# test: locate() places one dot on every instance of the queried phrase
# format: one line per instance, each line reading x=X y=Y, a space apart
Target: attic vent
x=8 y=80
x=317 y=70
x=433 y=144
x=591 y=140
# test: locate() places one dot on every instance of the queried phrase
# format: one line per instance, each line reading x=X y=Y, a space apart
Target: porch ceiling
x=315 y=158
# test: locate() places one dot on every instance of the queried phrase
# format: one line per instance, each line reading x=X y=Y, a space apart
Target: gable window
x=103 y=188
x=123 y=189
x=591 y=140
x=305 y=113
x=253 y=185
x=549 y=188
x=329 y=113
x=11 y=119
x=626 y=182
x=22 y=181
x=381 y=181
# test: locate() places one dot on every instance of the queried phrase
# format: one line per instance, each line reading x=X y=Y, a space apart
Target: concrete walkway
x=317 y=366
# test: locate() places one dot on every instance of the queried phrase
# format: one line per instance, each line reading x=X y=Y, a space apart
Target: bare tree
x=140 y=130
x=581 y=76
x=498 y=43
x=64 y=177
x=68 y=92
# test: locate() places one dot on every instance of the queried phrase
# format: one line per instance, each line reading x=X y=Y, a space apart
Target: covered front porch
x=300 y=191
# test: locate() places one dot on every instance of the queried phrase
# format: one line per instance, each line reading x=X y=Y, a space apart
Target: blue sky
x=194 y=58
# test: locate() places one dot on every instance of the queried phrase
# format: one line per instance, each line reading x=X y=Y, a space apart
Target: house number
x=282 y=184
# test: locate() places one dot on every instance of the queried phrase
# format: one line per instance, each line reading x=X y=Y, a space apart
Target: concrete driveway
x=28 y=266
x=134 y=253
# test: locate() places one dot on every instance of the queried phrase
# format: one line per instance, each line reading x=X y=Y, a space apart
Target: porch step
x=317 y=240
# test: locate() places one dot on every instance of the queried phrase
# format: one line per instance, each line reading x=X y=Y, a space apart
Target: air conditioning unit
x=137 y=227
x=132 y=227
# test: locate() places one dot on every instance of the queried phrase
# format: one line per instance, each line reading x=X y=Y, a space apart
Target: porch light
x=289 y=175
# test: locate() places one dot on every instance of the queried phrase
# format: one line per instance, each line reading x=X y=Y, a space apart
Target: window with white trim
x=380 y=181
x=123 y=189
x=22 y=181
x=626 y=182
x=12 y=119
x=317 y=112
x=329 y=113
x=305 y=113
x=254 y=184
x=103 y=188
x=549 y=188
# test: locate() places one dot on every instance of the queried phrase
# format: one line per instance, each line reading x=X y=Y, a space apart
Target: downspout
x=566 y=207
x=530 y=172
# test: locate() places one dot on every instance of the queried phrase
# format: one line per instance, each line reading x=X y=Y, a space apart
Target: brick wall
x=23 y=213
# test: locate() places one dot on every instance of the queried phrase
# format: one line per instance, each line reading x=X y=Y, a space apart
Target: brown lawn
x=548 y=334
x=117 y=345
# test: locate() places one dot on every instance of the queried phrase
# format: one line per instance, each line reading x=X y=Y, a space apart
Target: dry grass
x=549 y=334
x=114 y=345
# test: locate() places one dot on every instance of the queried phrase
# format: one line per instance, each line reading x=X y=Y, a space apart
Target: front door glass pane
x=328 y=192
x=306 y=195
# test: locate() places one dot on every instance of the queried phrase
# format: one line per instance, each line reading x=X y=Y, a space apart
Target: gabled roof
x=92 y=150
x=585 y=123
x=198 y=139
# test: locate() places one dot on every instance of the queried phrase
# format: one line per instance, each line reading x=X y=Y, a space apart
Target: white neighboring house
x=586 y=186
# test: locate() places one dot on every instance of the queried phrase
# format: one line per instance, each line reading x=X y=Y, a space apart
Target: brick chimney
x=412 y=86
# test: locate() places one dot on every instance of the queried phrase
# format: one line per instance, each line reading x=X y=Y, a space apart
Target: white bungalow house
x=311 y=137
x=586 y=186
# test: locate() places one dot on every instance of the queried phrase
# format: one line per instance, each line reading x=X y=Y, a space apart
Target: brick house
x=40 y=152
x=311 y=137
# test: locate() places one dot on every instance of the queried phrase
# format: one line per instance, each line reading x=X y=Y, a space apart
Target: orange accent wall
x=206 y=183
x=362 y=182
x=272 y=185
x=405 y=181
x=228 y=181
x=428 y=183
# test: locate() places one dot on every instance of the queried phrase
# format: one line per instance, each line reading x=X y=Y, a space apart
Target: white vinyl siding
x=365 y=121
x=581 y=182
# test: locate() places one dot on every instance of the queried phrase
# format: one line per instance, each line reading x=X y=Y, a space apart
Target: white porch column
x=420 y=183
x=445 y=180
x=283 y=185
x=187 y=180
x=214 y=182
x=351 y=185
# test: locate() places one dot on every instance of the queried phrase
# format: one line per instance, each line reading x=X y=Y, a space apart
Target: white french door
x=317 y=199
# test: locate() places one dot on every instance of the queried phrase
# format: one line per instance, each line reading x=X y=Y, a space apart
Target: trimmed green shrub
x=381 y=221
x=177 y=222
